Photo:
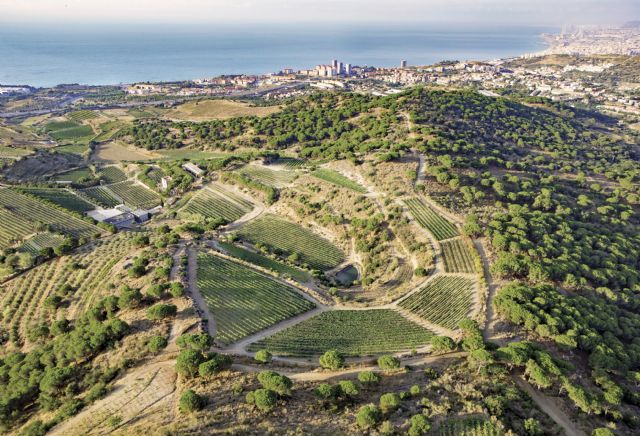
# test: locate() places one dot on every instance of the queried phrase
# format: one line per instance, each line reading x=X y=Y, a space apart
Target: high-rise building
x=334 y=64
x=340 y=68
x=403 y=64
x=347 y=69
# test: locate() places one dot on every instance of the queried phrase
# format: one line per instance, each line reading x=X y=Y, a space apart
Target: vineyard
x=13 y=152
x=350 y=332
x=265 y=262
x=134 y=195
x=40 y=241
x=74 y=175
x=101 y=195
x=87 y=272
x=13 y=228
x=445 y=301
x=428 y=218
x=243 y=301
x=71 y=130
x=338 y=179
x=23 y=208
x=288 y=163
x=81 y=115
x=278 y=234
x=112 y=174
x=473 y=426
x=62 y=198
x=457 y=256
x=266 y=176
x=216 y=203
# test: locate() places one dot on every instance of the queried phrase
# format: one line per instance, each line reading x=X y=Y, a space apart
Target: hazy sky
x=553 y=12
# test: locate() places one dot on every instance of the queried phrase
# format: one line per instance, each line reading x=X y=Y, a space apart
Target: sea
x=47 y=55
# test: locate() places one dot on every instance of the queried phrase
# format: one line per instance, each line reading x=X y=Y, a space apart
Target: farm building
x=193 y=169
x=120 y=216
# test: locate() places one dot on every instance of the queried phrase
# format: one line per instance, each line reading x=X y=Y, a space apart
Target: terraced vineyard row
x=135 y=195
x=41 y=241
x=62 y=198
x=290 y=238
x=101 y=195
x=23 y=299
x=473 y=426
x=13 y=228
x=266 y=262
x=81 y=115
x=338 y=179
x=112 y=174
x=217 y=204
x=457 y=256
x=268 y=176
x=445 y=301
x=351 y=332
x=428 y=218
x=243 y=301
x=74 y=175
x=288 y=163
x=24 y=208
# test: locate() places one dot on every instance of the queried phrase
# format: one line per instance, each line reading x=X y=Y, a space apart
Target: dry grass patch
x=204 y=110
x=117 y=151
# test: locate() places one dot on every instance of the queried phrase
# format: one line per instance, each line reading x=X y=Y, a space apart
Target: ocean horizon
x=44 y=56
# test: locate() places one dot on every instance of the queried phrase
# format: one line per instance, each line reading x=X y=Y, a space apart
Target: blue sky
x=535 y=12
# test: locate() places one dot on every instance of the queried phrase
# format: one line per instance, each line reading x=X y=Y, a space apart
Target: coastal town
x=568 y=71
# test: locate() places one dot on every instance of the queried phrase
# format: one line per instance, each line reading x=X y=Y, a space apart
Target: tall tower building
x=403 y=64
x=334 y=63
x=347 y=69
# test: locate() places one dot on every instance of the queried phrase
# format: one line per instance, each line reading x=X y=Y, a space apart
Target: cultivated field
x=265 y=262
x=428 y=218
x=472 y=426
x=288 y=163
x=13 y=228
x=40 y=241
x=115 y=151
x=134 y=195
x=87 y=271
x=62 y=198
x=13 y=152
x=101 y=195
x=243 y=301
x=216 y=203
x=445 y=301
x=290 y=238
x=74 y=175
x=204 y=110
x=338 y=179
x=24 y=208
x=69 y=131
x=269 y=177
x=457 y=256
x=112 y=174
x=351 y=332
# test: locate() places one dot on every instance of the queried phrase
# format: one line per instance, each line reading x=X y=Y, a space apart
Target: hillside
x=432 y=262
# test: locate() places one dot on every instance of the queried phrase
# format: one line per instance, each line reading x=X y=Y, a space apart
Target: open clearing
x=216 y=109
x=116 y=152
x=351 y=332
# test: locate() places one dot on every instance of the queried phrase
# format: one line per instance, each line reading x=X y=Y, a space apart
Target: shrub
x=156 y=291
x=368 y=377
x=129 y=298
x=195 y=341
x=332 y=360
x=157 y=343
x=602 y=431
x=388 y=362
x=187 y=363
x=348 y=388
x=389 y=402
x=326 y=391
x=215 y=364
x=176 y=289
x=414 y=390
x=368 y=416
x=263 y=399
x=273 y=381
x=442 y=344
x=161 y=311
x=532 y=427
x=263 y=356
x=191 y=402
x=419 y=425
